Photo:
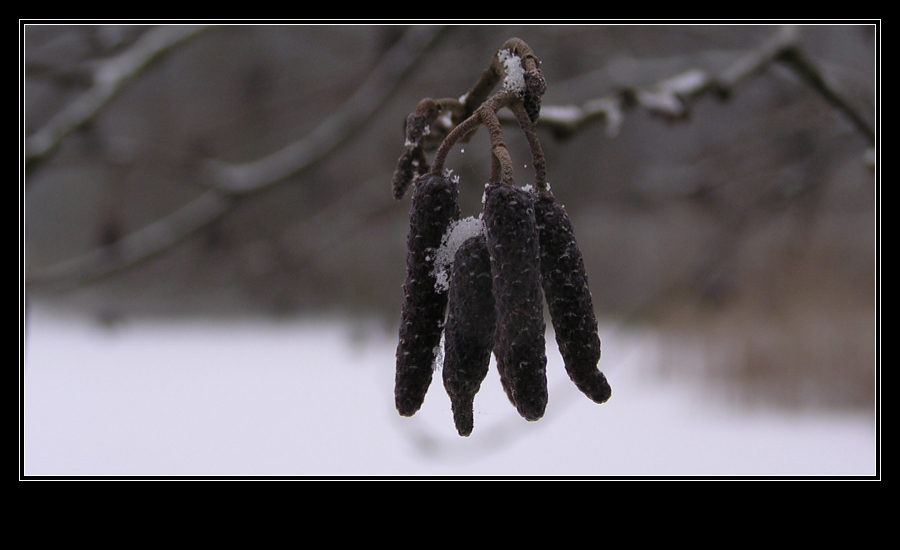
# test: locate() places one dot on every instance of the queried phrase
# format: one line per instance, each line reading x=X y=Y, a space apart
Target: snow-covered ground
x=315 y=398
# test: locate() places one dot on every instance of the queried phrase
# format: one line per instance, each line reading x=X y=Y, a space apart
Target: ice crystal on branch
x=515 y=73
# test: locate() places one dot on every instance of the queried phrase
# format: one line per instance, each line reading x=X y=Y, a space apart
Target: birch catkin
x=434 y=207
x=469 y=332
x=498 y=278
x=512 y=241
x=569 y=298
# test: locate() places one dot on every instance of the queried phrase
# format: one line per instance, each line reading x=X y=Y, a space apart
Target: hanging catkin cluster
x=481 y=284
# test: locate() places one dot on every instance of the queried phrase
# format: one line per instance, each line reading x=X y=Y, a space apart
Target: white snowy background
x=314 y=398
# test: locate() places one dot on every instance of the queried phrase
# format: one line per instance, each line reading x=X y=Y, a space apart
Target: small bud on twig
x=535 y=86
x=411 y=164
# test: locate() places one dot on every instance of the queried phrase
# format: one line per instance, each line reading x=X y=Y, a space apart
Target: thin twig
x=538 y=161
x=803 y=66
x=521 y=93
x=331 y=133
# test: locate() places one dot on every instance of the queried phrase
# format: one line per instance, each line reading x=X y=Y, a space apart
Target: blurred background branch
x=671 y=99
x=107 y=78
x=337 y=128
x=224 y=178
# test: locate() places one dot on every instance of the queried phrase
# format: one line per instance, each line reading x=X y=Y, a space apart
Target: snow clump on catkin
x=458 y=233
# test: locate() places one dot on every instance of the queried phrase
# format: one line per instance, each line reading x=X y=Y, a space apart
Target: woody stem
x=537 y=154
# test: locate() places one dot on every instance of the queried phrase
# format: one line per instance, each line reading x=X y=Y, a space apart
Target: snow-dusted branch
x=672 y=98
x=229 y=180
x=108 y=78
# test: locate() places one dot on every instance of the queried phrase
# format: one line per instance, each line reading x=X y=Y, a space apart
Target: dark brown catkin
x=569 y=298
x=469 y=332
x=434 y=207
x=410 y=164
x=535 y=87
x=512 y=241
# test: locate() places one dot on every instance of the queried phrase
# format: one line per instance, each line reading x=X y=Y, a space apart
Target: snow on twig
x=673 y=97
